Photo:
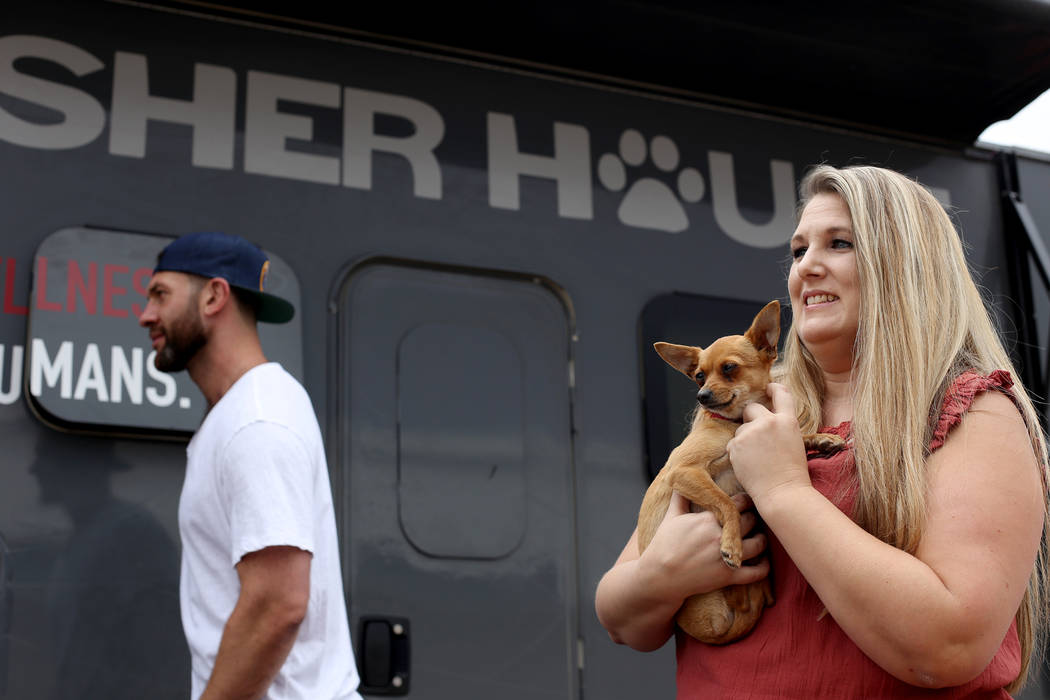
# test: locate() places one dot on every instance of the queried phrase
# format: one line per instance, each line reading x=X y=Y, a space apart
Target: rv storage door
x=456 y=458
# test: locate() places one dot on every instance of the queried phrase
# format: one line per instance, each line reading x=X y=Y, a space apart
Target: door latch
x=383 y=655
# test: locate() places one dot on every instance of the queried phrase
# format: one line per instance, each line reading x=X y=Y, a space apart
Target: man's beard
x=182 y=340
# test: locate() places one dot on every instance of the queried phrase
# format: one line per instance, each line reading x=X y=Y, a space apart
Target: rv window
x=668 y=396
x=88 y=364
x=461 y=441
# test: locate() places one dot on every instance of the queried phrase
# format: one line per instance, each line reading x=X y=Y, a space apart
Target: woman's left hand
x=767 y=451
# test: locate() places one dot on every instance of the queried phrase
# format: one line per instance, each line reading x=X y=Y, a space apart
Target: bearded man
x=261 y=591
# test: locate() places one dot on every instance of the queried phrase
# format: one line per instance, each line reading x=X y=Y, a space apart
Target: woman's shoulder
x=963 y=392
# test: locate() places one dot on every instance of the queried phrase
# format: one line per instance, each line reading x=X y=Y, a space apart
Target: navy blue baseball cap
x=239 y=262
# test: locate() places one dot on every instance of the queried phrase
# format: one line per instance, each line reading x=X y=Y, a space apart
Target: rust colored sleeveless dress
x=790 y=654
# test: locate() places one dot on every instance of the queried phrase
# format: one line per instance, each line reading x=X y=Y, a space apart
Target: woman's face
x=823 y=282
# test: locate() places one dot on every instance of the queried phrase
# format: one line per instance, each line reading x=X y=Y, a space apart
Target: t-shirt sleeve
x=960 y=396
x=267 y=489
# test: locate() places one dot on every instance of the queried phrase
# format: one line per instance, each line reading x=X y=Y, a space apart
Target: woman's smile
x=823 y=282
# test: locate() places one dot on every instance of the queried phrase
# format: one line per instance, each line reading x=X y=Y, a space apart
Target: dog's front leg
x=824 y=443
x=698 y=486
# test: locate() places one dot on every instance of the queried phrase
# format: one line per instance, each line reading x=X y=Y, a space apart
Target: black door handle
x=383 y=655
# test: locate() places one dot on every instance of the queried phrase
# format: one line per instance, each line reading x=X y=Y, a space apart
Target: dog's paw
x=731 y=546
x=732 y=559
x=823 y=443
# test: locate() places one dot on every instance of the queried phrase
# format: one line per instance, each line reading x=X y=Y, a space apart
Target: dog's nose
x=704 y=396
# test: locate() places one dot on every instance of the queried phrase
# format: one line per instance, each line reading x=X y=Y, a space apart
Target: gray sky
x=1029 y=128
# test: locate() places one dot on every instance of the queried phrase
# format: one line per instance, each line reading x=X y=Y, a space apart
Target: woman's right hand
x=685 y=556
x=638 y=597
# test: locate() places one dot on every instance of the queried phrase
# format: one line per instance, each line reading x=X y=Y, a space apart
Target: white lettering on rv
x=266 y=129
x=360 y=139
x=125 y=376
x=727 y=208
x=14 y=381
x=43 y=369
x=83 y=117
x=211 y=112
x=168 y=397
x=570 y=166
x=91 y=376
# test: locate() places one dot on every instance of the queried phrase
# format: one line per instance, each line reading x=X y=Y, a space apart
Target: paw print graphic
x=650 y=203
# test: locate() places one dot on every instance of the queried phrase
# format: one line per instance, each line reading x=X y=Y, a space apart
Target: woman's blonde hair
x=922 y=323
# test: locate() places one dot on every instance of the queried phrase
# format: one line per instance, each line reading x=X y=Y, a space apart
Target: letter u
x=14 y=387
x=773 y=233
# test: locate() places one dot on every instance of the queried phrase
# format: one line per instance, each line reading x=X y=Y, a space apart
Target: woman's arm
x=638 y=597
x=937 y=618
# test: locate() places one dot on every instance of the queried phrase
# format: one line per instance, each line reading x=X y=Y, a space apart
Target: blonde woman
x=911 y=564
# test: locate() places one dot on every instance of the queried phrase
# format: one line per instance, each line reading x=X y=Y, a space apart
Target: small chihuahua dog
x=732 y=372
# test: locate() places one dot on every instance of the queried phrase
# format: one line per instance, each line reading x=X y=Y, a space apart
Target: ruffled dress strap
x=960 y=396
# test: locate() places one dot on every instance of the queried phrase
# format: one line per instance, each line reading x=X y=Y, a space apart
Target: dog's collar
x=721 y=417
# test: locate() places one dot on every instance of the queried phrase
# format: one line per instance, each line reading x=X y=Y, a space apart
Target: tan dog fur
x=731 y=372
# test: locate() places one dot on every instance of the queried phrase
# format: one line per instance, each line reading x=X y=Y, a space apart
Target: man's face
x=173 y=319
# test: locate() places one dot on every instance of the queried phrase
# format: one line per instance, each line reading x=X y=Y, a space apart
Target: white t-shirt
x=256 y=477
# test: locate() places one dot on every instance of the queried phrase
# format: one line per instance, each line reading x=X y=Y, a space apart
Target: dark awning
x=935 y=70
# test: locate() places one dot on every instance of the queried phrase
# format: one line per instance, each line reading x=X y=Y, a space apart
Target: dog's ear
x=684 y=358
x=765 y=329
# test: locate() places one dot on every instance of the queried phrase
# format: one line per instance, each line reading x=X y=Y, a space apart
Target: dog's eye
x=700 y=378
x=727 y=369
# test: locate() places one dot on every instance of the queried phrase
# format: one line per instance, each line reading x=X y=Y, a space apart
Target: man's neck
x=216 y=367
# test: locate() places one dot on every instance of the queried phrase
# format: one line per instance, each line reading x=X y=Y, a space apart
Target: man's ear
x=215 y=296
